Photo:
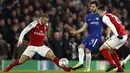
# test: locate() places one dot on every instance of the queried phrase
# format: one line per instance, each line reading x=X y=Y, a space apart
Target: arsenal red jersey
x=114 y=23
x=37 y=35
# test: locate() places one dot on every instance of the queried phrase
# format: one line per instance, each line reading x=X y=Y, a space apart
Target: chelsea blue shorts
x=91 y=42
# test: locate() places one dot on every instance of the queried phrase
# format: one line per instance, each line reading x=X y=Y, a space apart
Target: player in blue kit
x=89 y=43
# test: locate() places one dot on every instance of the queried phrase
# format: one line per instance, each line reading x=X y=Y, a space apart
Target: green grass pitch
x=60 y=71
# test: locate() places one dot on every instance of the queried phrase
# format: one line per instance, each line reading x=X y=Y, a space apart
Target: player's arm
x=108 y=32
x=81 y=29
x=108 y=22
x=26 y=30
x=47 y=33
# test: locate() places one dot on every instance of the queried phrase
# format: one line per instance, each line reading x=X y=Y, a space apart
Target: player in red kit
x=108 y=49
x=36 y=44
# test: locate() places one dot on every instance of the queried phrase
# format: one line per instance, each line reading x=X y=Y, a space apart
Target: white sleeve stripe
x=107 y=21
x=95 y=42
x=34 y=23
x=27 y=29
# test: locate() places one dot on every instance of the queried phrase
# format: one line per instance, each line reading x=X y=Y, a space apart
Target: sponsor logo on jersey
x=39 y=33
x=96 y=23
x=97 y=18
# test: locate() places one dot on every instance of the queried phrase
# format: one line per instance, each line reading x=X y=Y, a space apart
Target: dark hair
x=101 y=7
x=96 y=2
x=44 y=15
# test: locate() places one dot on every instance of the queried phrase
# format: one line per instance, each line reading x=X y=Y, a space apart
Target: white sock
x=126 y=59
x=88 y=60
x=81 y=55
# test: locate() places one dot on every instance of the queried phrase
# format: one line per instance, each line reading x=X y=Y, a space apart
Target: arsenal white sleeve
x=27 y=29
x=108 y=22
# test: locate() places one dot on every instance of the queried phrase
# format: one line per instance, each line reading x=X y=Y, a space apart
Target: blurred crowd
x=64 y=15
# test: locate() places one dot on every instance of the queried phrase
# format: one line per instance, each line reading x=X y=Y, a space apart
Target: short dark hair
x=101 y=7
x=96 y=2
x=44 y=15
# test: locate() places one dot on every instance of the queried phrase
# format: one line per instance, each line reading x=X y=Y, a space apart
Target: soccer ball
x=63 y=62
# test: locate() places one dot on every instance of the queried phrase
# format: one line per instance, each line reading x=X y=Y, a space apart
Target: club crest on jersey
x=97 y=18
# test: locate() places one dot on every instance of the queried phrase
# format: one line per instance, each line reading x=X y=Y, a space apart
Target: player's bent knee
x=88 y=51
x=81 y=46
x=52 y=57
x=50 y=54
x=103 y=47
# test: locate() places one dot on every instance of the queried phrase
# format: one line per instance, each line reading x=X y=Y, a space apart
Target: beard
x=94 y=11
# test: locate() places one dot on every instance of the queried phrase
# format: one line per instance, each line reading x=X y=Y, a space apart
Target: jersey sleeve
x=108 y=22
x=86 y=19
x=27 y=29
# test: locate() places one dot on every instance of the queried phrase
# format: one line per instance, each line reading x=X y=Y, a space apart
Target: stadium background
x=15 y=15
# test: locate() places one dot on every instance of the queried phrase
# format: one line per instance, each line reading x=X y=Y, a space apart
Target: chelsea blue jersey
x=95 y=24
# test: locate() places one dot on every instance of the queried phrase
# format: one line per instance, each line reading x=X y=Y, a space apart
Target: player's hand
x=73 y=32
x=107 y=38
x=19 y=43
x=119 y=37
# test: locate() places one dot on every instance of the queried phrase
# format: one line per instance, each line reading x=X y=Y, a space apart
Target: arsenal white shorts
x=31 y=50
x=115 y=43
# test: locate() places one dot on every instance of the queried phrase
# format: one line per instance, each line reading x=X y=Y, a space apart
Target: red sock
x=116 y=59
x=16 y=62
x=107 y=55
x=56 y=60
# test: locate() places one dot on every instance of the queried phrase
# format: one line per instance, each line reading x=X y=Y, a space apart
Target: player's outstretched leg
x=125 y=61
x=81 y=58
x=117 y=61
x=16 y=62
x=51 y=56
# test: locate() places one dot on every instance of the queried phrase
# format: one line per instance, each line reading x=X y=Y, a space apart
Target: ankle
x=119 y=67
